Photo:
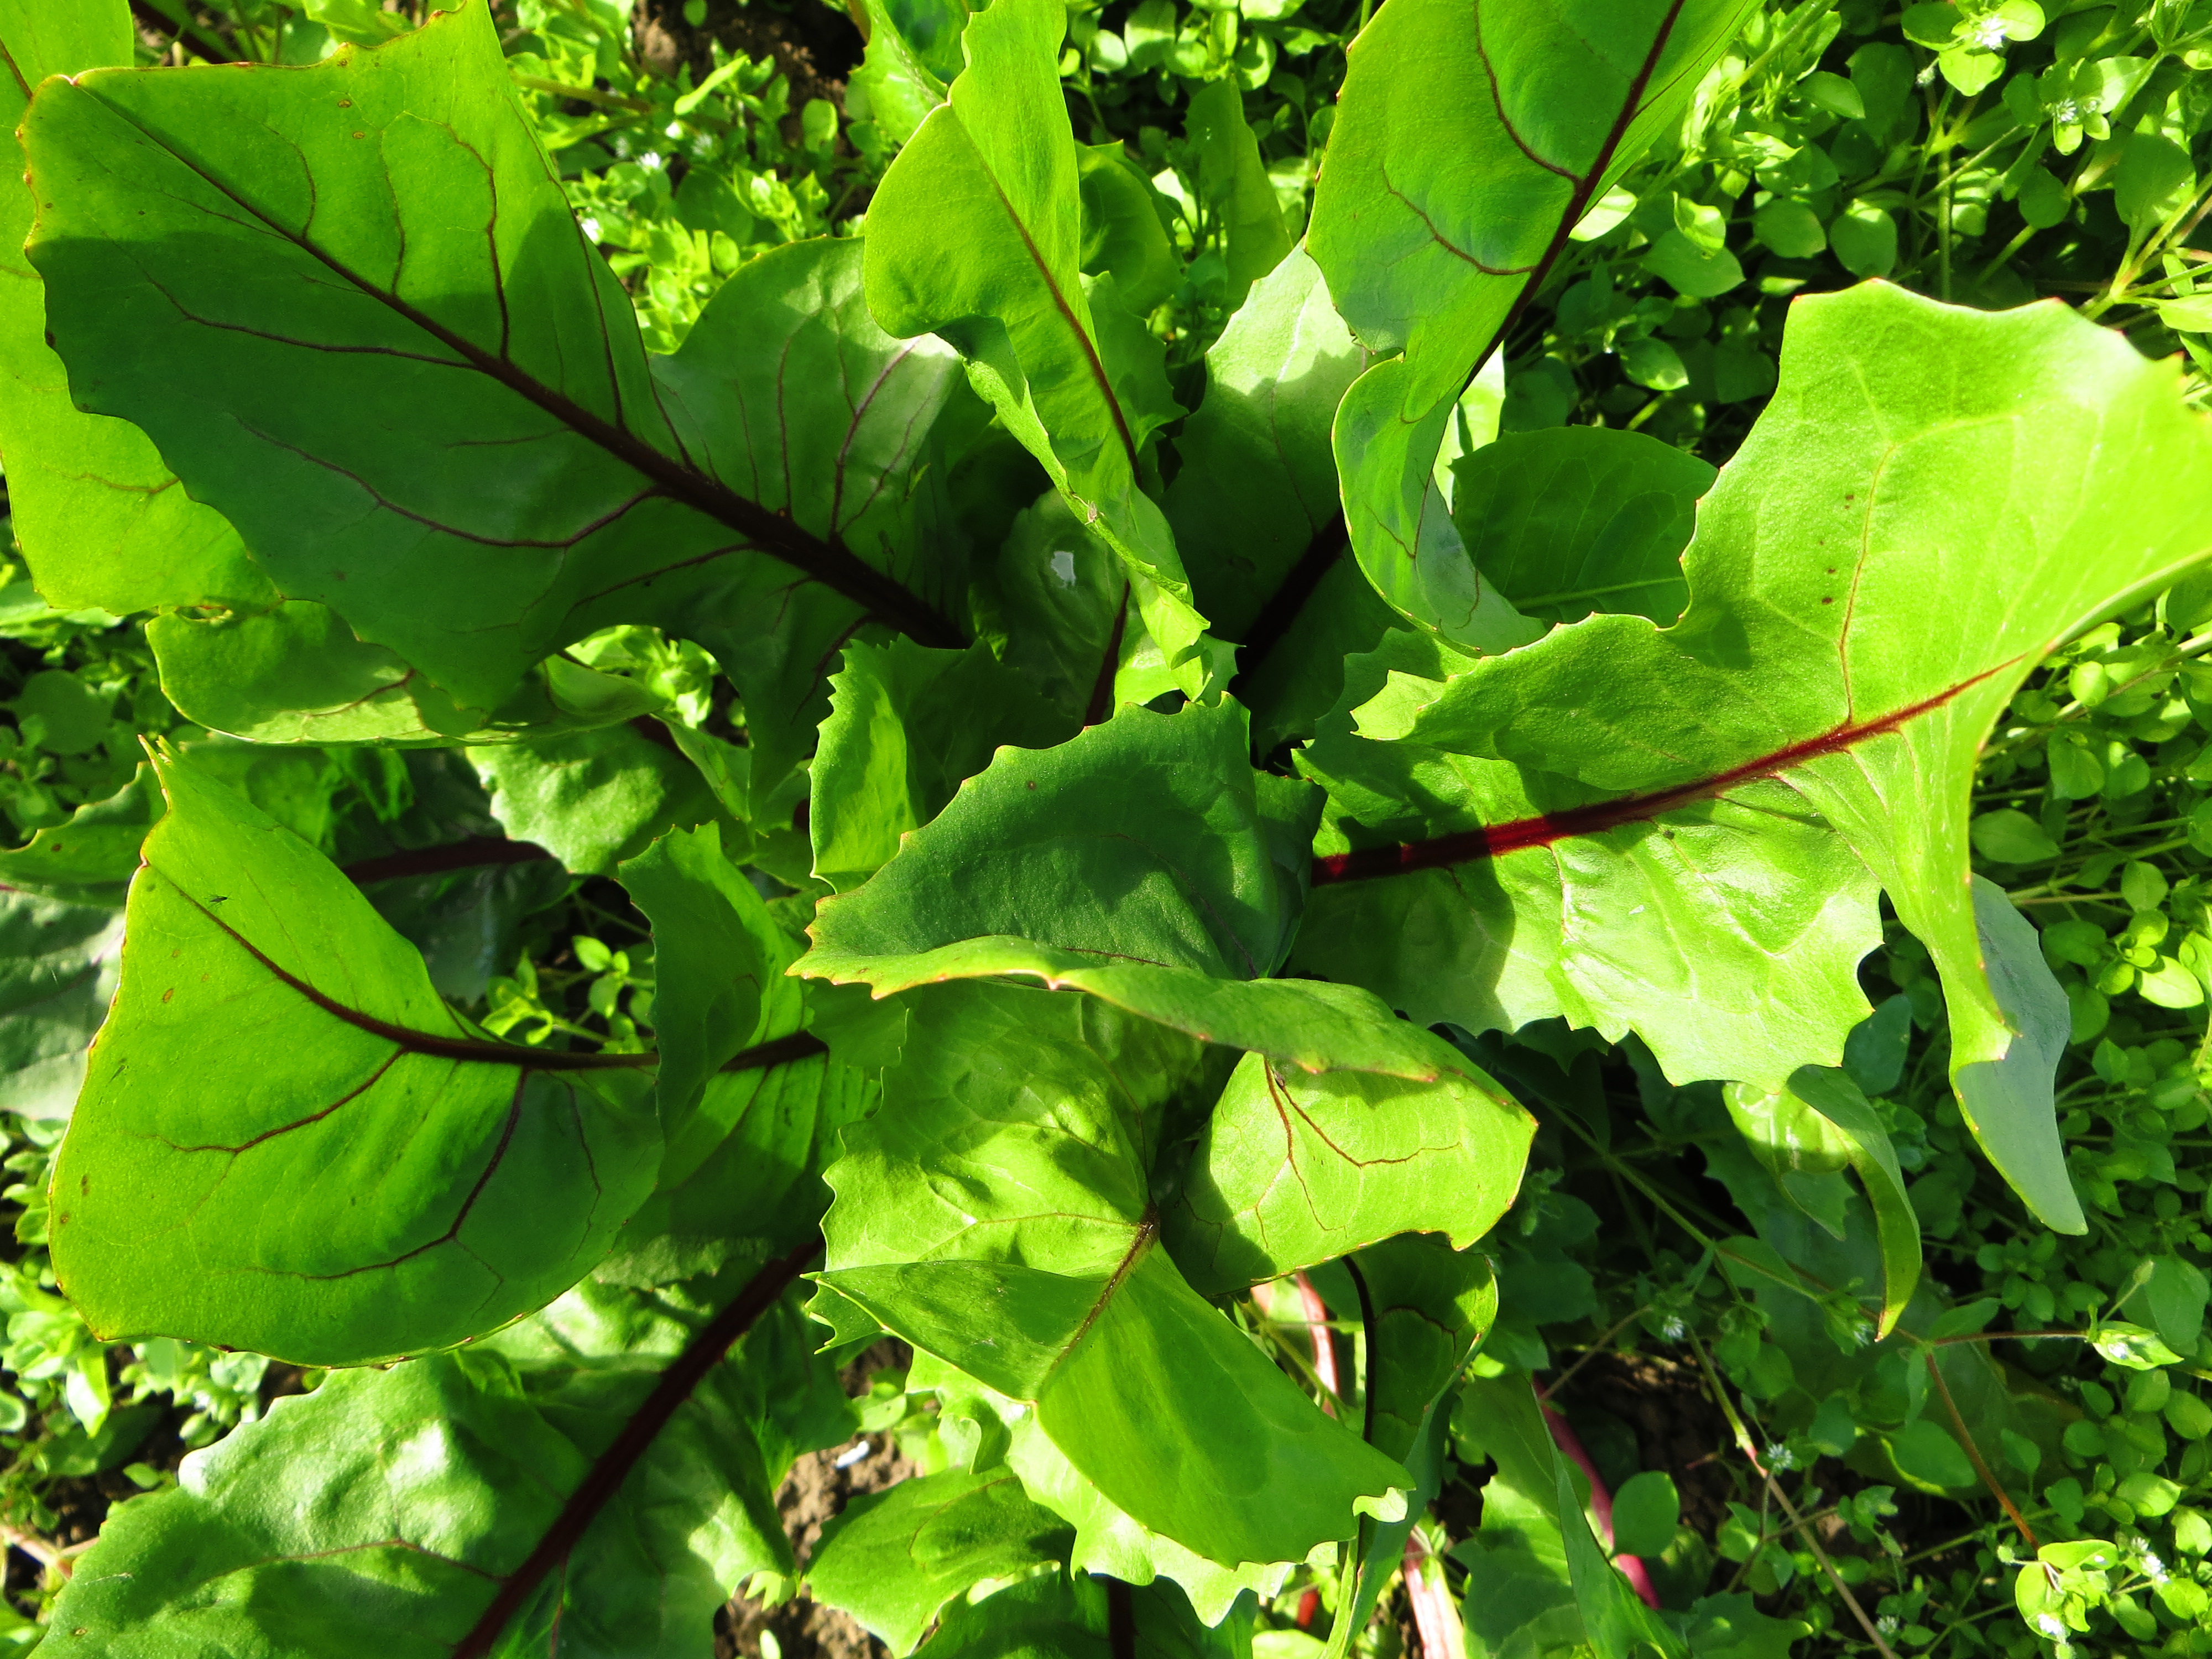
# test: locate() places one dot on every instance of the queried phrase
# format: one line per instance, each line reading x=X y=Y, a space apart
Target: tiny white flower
x=2154 y=1567
x=2051 y=1625
x=1887 y=1624
x=650 y=159
x=676 y=129
x=1674 y=1330
x=1989 y=35
x=592 y=228
x=2066 y=114
x=1780 y=1457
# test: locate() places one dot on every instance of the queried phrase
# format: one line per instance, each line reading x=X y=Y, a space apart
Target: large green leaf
x=1293 y=1170
x=892 y=1559
x=101 y=520
x=1149 y=839
x=385 y=1515
x=286 y=1141
x=1145 y=862
x=1589 y=926
x=1255 y=504
x=351 y=305
x=1037 y=1270
x=1935 y=499
x=972 y=236
x=1468 y=142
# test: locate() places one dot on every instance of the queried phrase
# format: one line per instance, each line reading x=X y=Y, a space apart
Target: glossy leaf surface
x=1850 y=637
x=352 y=290
x=102 y=520
x=1044 y=1279
x=1291 y=1170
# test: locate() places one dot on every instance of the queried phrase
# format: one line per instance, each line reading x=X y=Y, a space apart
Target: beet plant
x=1092 y=889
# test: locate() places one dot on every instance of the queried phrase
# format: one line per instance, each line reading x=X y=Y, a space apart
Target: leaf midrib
x=829 y=562
x=1520 y=835
x=776 y=1051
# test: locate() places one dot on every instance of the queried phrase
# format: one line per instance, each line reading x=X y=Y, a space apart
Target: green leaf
x=1294 y=1169
x=1149 y=839
x=594 y=798
x=743 y=1180
x=2131 y=1346
x=1039 y=1274
x=1109 y=1541
x=59 y=967
x=893 y=1559
x=971 y=238
x=1548 y=1580
x=1123 y=231
x=1068 y=1620
x=296 y=673
x=99 y=515
x=1255 y=504
x=273 y=1036
x=1594 y=934
x=718 y=964
x=908 y=727
x=1424 y=1308
x=2174 y=1296
x=1866 y=1143
x=2010 y=836
x=1575 y=519
x=1233 y=183
x=1646 y=1510
x=1830 y=659
x=383 y=1513
x=1461 y=156
x=540 y=483
x=90 y=858
x=896 y=87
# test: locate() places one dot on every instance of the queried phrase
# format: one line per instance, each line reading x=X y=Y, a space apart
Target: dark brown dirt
x=1677 y=1427
x=815 y=47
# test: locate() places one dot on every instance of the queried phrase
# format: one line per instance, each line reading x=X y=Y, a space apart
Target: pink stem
x=1632 y=1566
x=1324 y=1340
x=1438 y=1621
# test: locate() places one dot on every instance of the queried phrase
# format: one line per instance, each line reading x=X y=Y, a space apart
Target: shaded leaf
x=379 y=1516
x=893 y=1559
x=1578 y=518
x=102 y=521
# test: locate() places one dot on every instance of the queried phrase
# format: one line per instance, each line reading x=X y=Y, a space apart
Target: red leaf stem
x=1324 y=1340
x=1632 y=1566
